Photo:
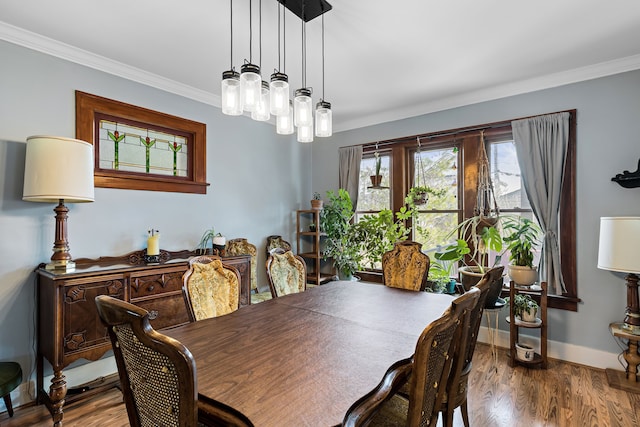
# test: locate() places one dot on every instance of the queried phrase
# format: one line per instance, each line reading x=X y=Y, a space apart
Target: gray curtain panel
x=541 y=146
x=349 y=171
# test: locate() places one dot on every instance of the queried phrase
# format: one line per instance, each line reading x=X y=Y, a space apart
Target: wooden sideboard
x=69 y=327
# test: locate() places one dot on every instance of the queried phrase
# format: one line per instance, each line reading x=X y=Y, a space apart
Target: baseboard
x=558 y=350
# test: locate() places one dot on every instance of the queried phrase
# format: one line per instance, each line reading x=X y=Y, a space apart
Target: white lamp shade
x=58 y=168
x=284 y=123
x=618 y=248
x=230 y=101
x=262 y=113
x=324 y=125
x=302 y=108
x=279 y=97
x=250 y=87
x=305 y=133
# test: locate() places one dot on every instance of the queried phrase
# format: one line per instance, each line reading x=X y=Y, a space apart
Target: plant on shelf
x=524 y=307
x=316 y=201
x=522 y=238
x=343 y=241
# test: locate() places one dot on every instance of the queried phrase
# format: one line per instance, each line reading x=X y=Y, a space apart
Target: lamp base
x=630 y=329
x=61 y=266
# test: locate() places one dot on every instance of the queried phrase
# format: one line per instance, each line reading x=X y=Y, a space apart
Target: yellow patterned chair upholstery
x=242 y=247
x=210 y=288
x=428 y=370
x=287 y=273
x=276 y=241
x=158 y=373
x=405 y=266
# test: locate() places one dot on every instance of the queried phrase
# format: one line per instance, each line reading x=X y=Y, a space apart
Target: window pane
x=432 y=229
x=506 y=177
x=373 y=199
x=438 y=169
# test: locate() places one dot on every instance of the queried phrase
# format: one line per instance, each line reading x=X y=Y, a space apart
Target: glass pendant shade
x=324 y=126
x=250 y=86
x=231 y=93
x=284 y=122
x=279 y=97
x=303 y=108
x=305 y=133
x=261 y=113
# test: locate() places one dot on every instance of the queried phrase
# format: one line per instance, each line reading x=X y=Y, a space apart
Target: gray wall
x=258 y=179
x=608 y=142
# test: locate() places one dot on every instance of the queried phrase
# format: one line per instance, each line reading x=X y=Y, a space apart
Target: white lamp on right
x=618 y=251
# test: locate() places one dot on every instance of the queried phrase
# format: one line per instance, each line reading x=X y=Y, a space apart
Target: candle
x=153 y=243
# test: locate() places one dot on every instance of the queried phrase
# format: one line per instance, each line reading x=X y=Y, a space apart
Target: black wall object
x=628 y=179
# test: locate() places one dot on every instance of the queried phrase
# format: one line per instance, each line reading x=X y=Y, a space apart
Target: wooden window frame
x=88 y=107
x=469 y=140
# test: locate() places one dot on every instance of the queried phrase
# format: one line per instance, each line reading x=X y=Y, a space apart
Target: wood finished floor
x=563 y=395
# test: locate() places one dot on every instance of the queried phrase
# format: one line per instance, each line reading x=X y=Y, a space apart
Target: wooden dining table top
x=303 y=359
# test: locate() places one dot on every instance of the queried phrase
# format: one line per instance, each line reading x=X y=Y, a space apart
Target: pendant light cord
x=284 y=38
x=323 y=55
x=260 y=28
x=231 y=31
x=250 y=32
x=304 y=49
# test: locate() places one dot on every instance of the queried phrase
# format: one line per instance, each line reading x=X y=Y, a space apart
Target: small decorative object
x=312 y=227
x=218 y=242
x=628 y=179
x=524 y=352
x=152 y=255
x=316 y=202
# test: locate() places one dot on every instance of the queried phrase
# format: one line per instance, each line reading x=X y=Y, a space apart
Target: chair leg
x=465 y=413
x=7 y=403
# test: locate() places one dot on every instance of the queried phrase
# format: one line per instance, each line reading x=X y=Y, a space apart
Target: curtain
x=349 y=171
x=541 y=147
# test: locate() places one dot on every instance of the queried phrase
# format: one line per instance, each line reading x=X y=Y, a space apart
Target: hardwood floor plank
x=564 y=395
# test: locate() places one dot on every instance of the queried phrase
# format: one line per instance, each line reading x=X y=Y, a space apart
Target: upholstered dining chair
x=458 y=382
x=210 y=288
x=405 y=266
x=428 y=371
x=274 y=242
x=157 y=373
x=287 y=273
x=241 y=246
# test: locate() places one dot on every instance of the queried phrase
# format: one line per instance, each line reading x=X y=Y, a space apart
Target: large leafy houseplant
x=522 y=237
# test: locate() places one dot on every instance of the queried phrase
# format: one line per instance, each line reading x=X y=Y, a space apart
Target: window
x=447 y=162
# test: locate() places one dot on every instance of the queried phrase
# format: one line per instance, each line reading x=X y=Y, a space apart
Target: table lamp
x=58 y=170
x=618 y=251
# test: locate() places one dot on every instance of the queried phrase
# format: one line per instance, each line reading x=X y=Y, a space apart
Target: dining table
x=303 y=359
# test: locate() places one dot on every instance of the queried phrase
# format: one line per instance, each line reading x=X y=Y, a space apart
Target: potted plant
x=376 y=179
x=523 y=238
x=217 y=240
x=316 y=201
x=419 y=195
x=525 y=308
x=343 y=241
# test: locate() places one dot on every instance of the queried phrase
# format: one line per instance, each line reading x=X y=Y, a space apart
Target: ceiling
x=382 y=63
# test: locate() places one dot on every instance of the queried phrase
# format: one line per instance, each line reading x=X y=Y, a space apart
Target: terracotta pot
x=316 y=204
x=376 y=180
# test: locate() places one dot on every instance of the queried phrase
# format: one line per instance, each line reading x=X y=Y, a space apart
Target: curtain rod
x=440 y=134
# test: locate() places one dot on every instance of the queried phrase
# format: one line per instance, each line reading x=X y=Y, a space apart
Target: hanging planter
x=488 y=214
x=376 y=179
x=419 y=193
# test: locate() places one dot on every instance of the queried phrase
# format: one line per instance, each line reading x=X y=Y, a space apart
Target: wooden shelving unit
x=309 y=246
x=540 y=356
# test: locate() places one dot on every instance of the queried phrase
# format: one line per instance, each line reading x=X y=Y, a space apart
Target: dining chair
x=428 y=371
x=405 y=266
x=210 y=288
x=287 y=273
x=458 y=382
x=276 y=241
x=157 y=373
x=241 y=246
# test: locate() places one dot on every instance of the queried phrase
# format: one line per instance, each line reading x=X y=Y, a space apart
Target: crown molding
x=37 y=42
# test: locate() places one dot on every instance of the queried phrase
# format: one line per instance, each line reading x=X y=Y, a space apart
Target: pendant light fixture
x=230 y=93
x=279 y=86
x=324 y=120
x=302 y=106
x=262 y=113
x=284 y=122
x=250 y=80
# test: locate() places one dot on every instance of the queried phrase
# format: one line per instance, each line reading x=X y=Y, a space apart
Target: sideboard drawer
x=165 y=311
x=162 y=280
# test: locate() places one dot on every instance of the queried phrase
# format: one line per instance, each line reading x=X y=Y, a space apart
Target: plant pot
x=524 y=352
x=523 y=276
x=316 y=204
x=376 y=180
x=421 y=198
x=470 y=276
x=530 y=315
